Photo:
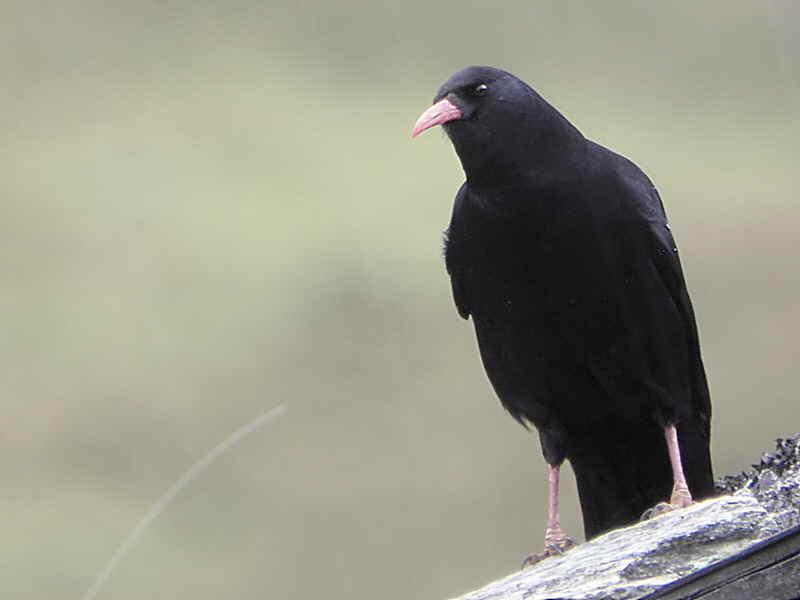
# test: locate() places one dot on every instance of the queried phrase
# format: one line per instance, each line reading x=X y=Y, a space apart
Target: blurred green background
x=209 y=209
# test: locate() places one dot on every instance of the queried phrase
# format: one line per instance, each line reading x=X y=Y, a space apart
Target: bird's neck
x=537 y=152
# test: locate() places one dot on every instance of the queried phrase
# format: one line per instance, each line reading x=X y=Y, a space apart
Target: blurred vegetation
x=212 y=208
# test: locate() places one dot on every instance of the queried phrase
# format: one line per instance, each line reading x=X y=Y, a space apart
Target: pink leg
x=680 y=490
x=555 y=540
x=553 y=532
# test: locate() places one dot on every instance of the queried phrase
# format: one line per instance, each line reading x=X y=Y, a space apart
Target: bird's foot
x=556 y=542
x=658 y=509
x=680 y=498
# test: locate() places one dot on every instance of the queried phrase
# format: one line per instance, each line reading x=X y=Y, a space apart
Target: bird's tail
x=619 y=479
x=693 y=437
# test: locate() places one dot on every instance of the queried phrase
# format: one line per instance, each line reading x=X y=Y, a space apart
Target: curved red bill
x=441 y=112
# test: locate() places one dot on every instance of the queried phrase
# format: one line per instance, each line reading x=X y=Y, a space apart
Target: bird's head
x=472 y=100
x=497 y=123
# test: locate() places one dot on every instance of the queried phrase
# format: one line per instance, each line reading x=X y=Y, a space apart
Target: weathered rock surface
x=631 y=562
x=774 y=482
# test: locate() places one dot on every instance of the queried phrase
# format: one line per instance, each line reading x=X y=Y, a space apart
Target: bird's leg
x=555 y=540
x=553 y=534
x=681 y=496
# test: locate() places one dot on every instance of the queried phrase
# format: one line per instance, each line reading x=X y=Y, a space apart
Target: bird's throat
x=491 y=160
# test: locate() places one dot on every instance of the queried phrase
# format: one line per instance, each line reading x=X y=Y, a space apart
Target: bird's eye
x=480 y=90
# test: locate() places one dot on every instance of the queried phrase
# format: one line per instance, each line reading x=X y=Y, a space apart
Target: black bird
x=560 y=251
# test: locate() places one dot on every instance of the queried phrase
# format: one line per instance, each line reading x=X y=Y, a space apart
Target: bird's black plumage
x=560 y=252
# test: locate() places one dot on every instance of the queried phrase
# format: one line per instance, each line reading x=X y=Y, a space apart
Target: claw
x=680 y=498
x=556 y=542
x=658 y=509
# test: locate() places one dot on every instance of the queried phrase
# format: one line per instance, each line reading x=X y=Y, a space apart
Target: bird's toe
x=676 y=502
x=658 y=509
x=555 y=543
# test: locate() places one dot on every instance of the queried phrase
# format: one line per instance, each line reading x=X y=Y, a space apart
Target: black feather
x=560 y=252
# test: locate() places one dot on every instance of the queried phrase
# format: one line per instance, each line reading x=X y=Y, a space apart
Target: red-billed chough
x=560 y=251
